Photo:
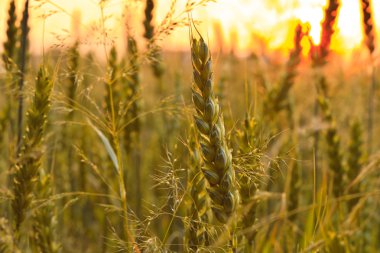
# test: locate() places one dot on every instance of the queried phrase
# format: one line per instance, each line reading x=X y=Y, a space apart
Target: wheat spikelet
x=197 y=234
x=209 y=121
x=368 y=25
x=27 y=169
x=333 y=141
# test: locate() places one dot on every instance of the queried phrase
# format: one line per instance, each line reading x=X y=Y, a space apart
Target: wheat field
x=119 y=144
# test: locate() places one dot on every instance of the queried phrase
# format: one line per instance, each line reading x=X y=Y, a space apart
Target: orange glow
x=242 y=22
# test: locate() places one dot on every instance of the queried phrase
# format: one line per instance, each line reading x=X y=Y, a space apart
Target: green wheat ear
x=29 y=159
x=209 y=121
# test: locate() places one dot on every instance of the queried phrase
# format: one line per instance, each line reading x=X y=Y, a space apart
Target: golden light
x=233 y=23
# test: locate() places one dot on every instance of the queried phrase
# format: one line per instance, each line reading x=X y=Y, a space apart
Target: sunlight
x=270 y=21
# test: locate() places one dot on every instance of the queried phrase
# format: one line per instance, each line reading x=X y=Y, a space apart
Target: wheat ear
x=209 y=121
x=368 y=25
x=28 y=166
x=320 y=53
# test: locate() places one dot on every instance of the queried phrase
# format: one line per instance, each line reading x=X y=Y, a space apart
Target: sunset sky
x=270 y=20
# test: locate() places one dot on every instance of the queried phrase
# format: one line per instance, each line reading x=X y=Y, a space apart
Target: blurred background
x=229 y=25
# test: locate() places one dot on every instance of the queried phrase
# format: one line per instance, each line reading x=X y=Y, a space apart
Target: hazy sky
x=269 y=19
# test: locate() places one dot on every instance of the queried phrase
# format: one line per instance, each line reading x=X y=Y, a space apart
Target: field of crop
x=138 y=148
